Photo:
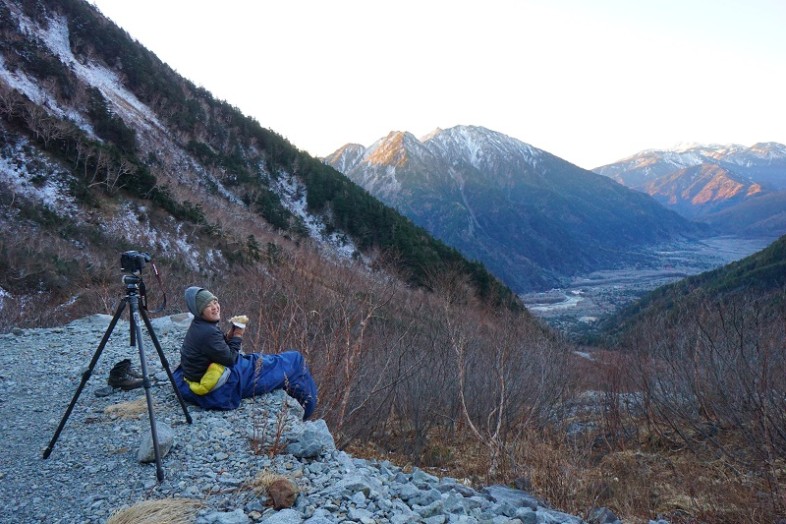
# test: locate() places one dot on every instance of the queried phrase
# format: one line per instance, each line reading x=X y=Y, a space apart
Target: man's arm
x=220 y=351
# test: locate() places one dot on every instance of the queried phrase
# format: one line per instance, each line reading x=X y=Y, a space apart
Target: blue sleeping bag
x=285 y=371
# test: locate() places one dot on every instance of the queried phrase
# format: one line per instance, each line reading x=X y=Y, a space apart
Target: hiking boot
x=122 y=376
x=126 y=383
x=132 y=372
x=126 y=367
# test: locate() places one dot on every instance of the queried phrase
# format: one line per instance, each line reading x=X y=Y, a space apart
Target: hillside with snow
x=106 y=149
x=176 y=165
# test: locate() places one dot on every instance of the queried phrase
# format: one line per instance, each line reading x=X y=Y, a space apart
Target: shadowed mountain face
x=529 y=216
x=732 y=188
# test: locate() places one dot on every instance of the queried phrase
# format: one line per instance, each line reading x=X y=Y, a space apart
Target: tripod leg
x=165 y=363
x=85 y=377
x=136 y=333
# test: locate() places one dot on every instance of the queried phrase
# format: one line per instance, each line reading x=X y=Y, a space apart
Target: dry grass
x=166 y=511
x=688 y=487
x=128 y=410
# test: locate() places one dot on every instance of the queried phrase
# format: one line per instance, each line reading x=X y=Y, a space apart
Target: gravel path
x=93 y=468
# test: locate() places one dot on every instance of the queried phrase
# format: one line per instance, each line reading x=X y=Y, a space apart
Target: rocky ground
x=94 y=470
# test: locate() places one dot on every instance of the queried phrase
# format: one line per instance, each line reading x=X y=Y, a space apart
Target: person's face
x=212 y=313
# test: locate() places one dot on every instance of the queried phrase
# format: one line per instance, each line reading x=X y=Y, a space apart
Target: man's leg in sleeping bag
x=265 y=373
x=301 y=384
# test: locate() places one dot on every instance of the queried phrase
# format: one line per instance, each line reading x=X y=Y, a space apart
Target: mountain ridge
x=702 y=189
x=761 y=275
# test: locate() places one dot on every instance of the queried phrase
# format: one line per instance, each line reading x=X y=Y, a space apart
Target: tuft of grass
x=164 y=511
x=127 y=410
x=260 y=484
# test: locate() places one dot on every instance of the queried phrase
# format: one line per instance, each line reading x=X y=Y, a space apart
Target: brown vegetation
x=279 y=490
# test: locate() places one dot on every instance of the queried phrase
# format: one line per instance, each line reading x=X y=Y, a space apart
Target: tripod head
x=135 y=286
x=132 y=281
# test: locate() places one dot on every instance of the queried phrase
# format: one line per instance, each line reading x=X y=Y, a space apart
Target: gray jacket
x=204 y=343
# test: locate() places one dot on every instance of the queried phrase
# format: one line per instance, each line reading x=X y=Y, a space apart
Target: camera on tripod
x=133 y=262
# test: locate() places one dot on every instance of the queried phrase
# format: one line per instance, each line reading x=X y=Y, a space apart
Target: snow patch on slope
x=480 y=146
x=48 y=185
x=293 y=193
x=106 y=81
x=130 y=222
x=19 y=81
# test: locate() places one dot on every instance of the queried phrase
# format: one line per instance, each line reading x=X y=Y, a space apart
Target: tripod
x=133 y=284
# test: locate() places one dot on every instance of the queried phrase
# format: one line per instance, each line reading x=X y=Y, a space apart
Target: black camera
x=133 y=262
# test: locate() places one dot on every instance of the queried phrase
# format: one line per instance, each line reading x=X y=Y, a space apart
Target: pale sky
x=590 y=81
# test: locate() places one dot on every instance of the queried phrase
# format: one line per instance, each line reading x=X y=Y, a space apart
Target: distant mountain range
x=734 y=188
x=532 y=218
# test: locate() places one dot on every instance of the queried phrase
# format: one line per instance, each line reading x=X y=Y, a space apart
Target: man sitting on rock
x=214 y=374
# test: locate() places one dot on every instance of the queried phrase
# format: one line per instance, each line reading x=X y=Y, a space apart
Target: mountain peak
x=770 y=150
x=478 y=146
x=471 y=144
x=345 y=157
x=393 y=149
x=429 y=136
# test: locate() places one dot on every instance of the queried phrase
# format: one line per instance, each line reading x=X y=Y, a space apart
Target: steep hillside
x=705 y=358
x=530 y=217
x=105 y=148
x=701 y=181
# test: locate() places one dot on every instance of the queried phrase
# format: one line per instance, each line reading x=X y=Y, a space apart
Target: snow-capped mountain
x=529 y=216
x=764 y=163
x=701 y=181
